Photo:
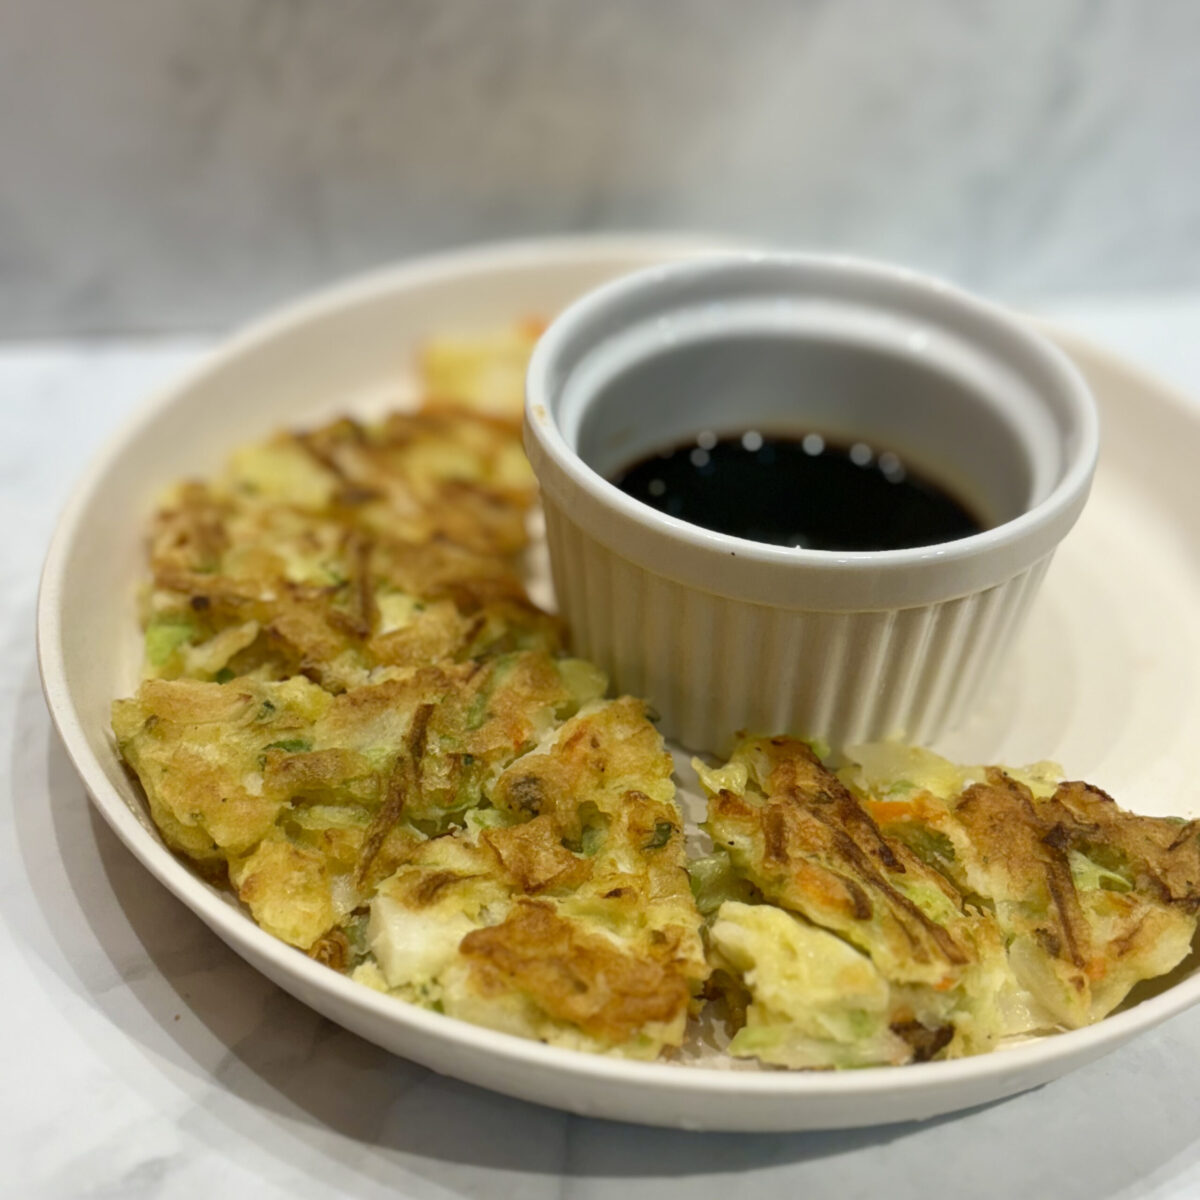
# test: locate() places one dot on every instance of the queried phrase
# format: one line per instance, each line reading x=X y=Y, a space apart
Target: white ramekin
x=724 y=634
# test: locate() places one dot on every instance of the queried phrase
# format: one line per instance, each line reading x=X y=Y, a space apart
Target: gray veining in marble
x=181 y=164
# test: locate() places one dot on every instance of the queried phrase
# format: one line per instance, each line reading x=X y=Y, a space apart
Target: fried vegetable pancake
x=282 y=780
x=1091 y=899
x=884 y=929
x=935 y=964
x=480 y=374
x=563 y=913
x=353 y=714
x=342 y=553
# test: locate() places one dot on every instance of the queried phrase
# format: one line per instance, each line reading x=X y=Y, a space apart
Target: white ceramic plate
x=1104 y=679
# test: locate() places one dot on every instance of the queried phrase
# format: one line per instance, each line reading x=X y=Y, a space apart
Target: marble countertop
x=144 y=1059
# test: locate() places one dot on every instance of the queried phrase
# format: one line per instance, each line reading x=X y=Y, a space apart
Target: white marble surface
x=143 y=1059
x=177 y=165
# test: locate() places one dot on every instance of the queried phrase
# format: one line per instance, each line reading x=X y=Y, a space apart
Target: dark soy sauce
x=799 y=491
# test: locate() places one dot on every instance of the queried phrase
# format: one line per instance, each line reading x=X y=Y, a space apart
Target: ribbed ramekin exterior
x=712 y=666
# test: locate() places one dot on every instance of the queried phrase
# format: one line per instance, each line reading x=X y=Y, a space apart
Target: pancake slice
x=1091 y=899
x=911 y=908
x=563 y=911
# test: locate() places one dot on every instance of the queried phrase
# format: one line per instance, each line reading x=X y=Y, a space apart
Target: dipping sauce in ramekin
x=799 y=489
x=723 y=631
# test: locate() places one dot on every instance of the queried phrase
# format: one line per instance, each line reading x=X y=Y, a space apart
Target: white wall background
x=175 y=164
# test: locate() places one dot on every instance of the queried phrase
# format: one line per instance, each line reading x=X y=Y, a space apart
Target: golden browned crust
x=815 y=850
x=534 y=857
x=574 y=976
x=1003 y=826
x=1020 y=852
x=332 y=950
x=1162 y=855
